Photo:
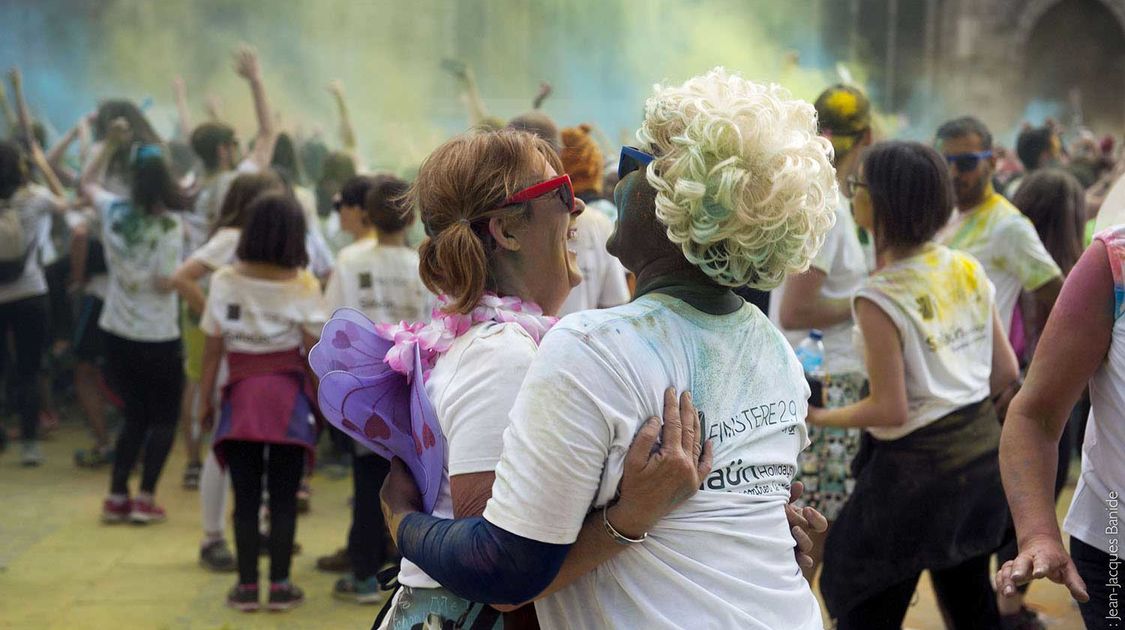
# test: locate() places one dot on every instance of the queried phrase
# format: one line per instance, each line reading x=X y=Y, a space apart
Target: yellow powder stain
x=844 y=103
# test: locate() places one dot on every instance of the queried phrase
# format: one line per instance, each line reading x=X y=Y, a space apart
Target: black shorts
x=88 y=337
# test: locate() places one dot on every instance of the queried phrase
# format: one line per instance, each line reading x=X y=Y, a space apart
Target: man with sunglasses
x=989 y=227
x=1005 y=242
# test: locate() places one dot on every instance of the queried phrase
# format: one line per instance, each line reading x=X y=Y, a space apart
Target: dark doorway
x=1076 y=55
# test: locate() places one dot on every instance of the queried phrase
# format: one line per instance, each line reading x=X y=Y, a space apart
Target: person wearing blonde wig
x=731 y=186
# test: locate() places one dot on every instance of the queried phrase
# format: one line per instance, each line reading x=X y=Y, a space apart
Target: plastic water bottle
x=810 y=353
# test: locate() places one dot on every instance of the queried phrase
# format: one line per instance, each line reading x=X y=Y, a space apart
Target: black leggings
x=149 y=377
x=283 y=465
x=964 y=592
x=367 y=539
x=26 y=320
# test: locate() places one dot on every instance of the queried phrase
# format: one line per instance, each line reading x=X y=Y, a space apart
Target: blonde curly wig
x=744 y=184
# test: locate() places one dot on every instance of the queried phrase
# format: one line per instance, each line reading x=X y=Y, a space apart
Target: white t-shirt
x=724 y=558
x=34 y=204
x=472 y=388
x=603 y=276
x=1007 y=246
x=258 y=316
x=1097 y=506
x=321 y=259
x=941 y=303
x=139 y=248
x=845 y=266
x=380 y=281
x=220 y=249
x=198 y=222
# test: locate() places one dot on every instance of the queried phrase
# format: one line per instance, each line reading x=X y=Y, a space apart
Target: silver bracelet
x=617 y=536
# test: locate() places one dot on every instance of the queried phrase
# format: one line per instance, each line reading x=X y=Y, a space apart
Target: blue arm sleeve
x=479 y=561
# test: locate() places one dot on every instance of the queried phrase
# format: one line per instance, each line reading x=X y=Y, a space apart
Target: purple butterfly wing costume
x=382 y=409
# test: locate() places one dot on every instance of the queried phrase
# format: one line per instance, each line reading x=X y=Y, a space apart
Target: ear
x=501 y=229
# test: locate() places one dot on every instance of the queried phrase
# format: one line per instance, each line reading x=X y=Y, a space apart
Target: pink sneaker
x=144 y=512
x=116 y=511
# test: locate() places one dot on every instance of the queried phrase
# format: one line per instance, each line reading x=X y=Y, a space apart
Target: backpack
x=14 y=250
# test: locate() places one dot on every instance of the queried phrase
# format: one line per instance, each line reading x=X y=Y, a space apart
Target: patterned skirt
x=825 y=467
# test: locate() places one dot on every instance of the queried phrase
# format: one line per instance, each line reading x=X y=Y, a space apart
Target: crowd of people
x=658 y=457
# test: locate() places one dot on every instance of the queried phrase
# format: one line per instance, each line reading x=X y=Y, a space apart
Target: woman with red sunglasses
x=733 y=187
x=500 y=221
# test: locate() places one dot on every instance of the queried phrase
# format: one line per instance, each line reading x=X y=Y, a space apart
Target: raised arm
x=10 y=120
x=93 y=173
x=545 y=90
x=469 y=93
x=179 y=90
x=58 y=150
x=37 y=156
x=347 y=133
x=247 y=66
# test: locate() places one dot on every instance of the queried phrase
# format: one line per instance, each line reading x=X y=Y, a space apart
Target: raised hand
x=455 y=67
x=15 y=77
x=336 y=88
x=246 y=63
x=179 y=88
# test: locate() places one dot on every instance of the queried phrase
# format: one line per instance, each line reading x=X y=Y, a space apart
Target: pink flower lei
x=435 y=338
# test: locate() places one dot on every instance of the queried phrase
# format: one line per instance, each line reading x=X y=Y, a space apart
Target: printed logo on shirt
x=234 y=312
x=365 y=280
x=926 y=306
x=781 y=412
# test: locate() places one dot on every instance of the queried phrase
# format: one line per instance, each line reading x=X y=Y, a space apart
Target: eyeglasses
x=561 y=184
x=852 y=184
x=632 y=159
x=965 y=162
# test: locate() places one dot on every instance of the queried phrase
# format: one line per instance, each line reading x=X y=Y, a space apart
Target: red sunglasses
x=561 y=183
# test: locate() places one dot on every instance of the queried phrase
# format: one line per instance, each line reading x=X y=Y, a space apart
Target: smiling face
x=545 y=257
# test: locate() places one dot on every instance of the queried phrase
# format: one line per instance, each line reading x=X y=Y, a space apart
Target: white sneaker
x=30 y=454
